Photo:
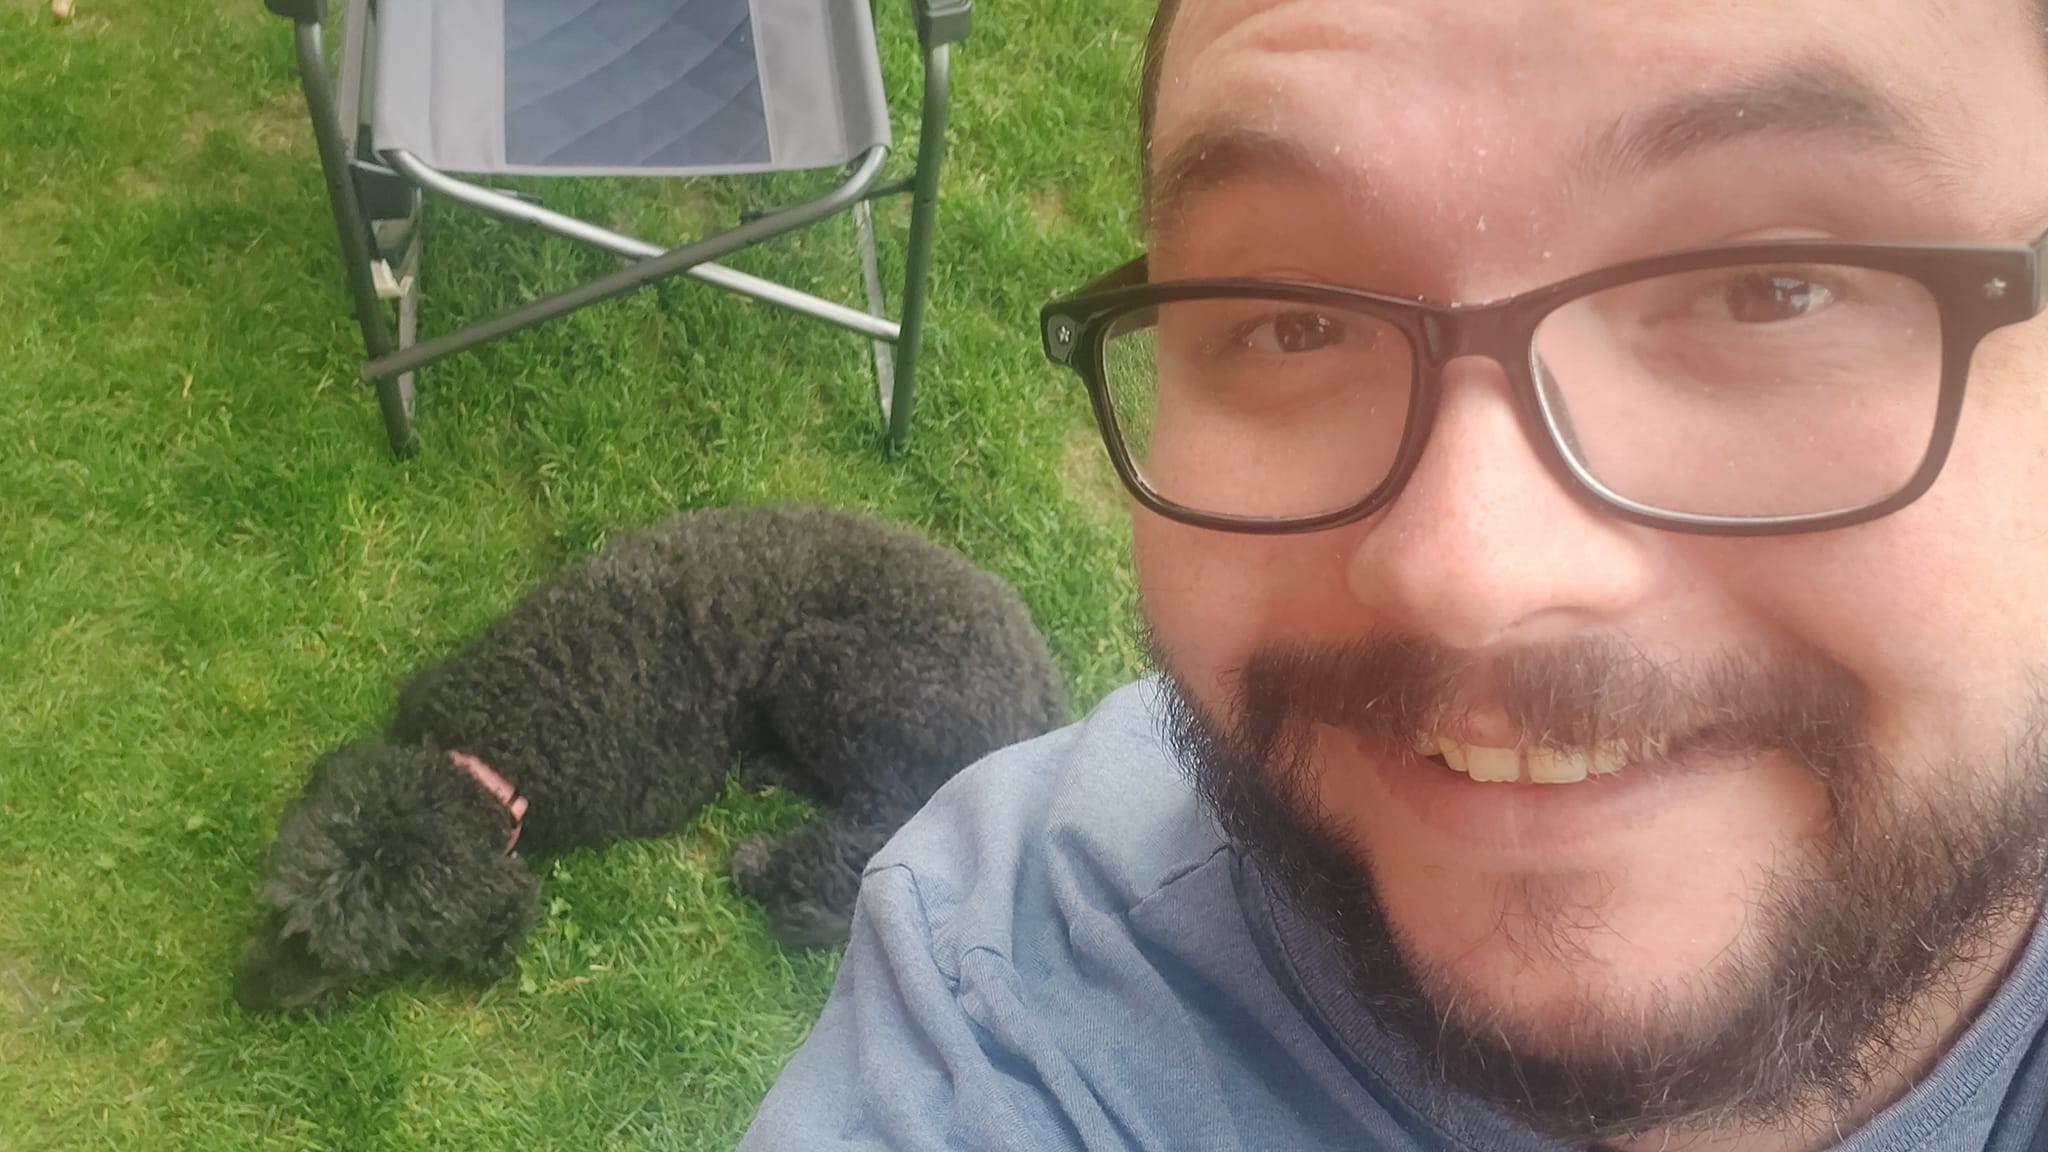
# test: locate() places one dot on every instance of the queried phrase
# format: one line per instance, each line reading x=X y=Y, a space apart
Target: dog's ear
x=502 y=902
x=394 y=857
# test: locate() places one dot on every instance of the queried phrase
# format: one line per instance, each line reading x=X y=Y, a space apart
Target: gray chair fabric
x=628 y=87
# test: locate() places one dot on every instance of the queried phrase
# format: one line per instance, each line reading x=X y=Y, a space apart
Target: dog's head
x=392 y=858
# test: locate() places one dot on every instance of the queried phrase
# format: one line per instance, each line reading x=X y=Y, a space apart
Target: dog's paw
x=749 y=861
x=774 y=874
x=805 y=925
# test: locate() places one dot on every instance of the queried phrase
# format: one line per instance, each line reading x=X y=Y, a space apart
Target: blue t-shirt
x=1062 y=952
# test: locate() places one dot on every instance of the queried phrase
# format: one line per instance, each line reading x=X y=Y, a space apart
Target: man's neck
x=1934 y=1025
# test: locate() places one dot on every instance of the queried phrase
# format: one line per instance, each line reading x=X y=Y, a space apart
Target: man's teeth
x=1487 y=765
x=1550 y=766
x=1508 y=765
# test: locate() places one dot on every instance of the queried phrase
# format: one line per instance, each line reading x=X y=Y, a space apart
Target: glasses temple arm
x=2037 y=260
x=1129 y=275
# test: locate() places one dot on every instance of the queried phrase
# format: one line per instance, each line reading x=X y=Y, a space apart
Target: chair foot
x=395 y=399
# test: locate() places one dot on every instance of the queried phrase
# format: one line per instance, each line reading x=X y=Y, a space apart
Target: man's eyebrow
x=1216 y=156
x=1812 y=98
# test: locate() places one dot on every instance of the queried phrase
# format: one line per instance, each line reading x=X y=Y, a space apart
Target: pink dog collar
x=498 y=787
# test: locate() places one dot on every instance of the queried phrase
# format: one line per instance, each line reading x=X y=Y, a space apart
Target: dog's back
x=859 y=659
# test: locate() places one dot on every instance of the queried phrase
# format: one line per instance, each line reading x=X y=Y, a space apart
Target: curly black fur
x=823 y=651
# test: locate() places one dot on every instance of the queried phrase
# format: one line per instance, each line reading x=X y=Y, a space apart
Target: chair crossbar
x=630 y=279
x=768 y=291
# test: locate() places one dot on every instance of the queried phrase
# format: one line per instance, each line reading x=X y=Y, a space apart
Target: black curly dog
x=820 y=651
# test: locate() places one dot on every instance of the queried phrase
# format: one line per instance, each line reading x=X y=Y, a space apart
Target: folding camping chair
x=612 y=87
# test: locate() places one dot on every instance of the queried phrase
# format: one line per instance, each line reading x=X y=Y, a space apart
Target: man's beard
x=1907 y=891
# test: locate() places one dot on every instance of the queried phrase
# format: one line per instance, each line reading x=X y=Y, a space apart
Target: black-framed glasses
x=1760 y=388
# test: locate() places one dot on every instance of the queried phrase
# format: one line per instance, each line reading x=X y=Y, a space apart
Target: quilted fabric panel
x=632 y=83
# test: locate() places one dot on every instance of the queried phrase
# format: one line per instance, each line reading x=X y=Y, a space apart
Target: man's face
x=1466 y=150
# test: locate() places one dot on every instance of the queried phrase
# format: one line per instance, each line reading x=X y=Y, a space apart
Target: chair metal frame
x=377 y=200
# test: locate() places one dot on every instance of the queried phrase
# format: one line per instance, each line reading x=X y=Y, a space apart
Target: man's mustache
x=1584 y=693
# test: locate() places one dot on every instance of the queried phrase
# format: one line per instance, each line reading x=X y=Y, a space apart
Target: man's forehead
x=1599 y=88
x=1481 y=32
x=1465 y=50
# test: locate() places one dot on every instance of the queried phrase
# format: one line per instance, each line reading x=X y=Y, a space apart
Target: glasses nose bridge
x=1499 y=332
x=1504 y=332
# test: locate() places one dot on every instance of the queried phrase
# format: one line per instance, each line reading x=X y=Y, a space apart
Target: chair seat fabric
x=627 y=87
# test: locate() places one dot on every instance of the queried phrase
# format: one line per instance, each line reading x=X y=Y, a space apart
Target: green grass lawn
x=211 y=570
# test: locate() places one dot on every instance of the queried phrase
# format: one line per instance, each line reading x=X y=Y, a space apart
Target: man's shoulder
x=1095 y=816
x=1060 y=951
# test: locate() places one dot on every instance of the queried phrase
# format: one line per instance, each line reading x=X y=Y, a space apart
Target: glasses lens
x=1757 y=390
x=1259 y=407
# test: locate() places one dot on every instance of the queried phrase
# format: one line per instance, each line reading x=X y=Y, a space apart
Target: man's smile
x=1486 y=764
x=1508 y=805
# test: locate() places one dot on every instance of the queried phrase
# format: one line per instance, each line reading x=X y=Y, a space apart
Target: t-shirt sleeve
x=898 y=1060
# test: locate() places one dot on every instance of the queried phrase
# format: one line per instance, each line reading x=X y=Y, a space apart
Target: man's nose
x=1484 y=545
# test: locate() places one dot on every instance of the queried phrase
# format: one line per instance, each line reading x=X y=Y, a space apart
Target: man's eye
x=1295 y=332
x=1773 y=298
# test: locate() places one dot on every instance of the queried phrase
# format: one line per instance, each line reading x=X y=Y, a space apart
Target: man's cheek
x=1205 y=611
x=1940 y=672
x=1224 y=595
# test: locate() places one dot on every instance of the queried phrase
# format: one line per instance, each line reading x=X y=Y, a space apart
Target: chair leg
x=931 y=154
x=409 y=313
x=351 y=228
x=878 y=305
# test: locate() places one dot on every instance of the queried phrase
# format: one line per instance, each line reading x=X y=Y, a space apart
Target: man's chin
x=1565 y=966
x=1576 y=1006
x=1635 y=919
